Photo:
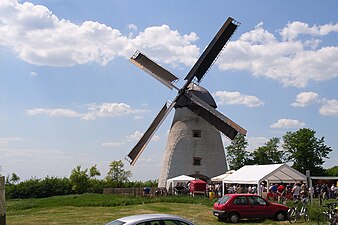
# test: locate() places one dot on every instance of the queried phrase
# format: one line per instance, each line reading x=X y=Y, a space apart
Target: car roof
x=242 y=194
x=148 y=216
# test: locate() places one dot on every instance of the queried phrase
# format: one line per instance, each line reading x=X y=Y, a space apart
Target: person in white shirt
x=296 y=191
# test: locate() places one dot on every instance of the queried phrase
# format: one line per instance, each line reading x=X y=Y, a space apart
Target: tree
x=93 y=171
x=306 y=151
x=117 y=173
x=333 y=171
x=14 y=178
x=236 y=154
x=268 y=154
x=79 y=180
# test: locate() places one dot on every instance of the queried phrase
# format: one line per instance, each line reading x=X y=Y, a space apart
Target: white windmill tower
x=194 y=145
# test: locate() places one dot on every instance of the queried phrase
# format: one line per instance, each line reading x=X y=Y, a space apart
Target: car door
x=240 y=204
x=259 y=207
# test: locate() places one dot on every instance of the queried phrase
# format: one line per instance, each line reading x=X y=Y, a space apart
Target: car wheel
x=233 y=217
x=221 y=219
x=280 y=216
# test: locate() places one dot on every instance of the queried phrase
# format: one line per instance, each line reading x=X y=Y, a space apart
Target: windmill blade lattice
x=184 y=97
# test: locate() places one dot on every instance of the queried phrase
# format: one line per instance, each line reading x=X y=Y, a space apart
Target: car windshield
x=224 y=199
x=116 y=222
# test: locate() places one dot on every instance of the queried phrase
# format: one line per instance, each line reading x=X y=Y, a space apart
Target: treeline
x=301 y=148
x=79 y=182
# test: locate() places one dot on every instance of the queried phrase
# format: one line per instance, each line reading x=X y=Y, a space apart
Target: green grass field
x=100 y=209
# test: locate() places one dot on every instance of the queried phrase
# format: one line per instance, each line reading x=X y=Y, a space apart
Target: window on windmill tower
x=196 y=133
x=197 y=161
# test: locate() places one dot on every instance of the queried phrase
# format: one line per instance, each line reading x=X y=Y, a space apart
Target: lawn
x=100 y=209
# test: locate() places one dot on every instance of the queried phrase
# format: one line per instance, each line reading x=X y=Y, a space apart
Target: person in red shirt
x=281 y=193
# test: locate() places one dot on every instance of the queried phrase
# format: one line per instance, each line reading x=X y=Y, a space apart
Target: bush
x=36 y=188
x=53 y=186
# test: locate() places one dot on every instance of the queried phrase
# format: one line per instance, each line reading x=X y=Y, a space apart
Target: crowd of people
x=279 y=191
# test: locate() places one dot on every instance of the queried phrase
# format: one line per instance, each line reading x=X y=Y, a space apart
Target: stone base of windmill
x=194 y=148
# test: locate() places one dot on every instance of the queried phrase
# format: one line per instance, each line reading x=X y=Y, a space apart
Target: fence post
x=2 y=201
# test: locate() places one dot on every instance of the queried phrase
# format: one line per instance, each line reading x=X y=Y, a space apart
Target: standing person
x=231 y=189
x=324 y=191
x=332 y=189
x=273 y=188
x=239 y=189
x=296 y=191
x=254 y=189
x=249 y=189
x=281 y=193
x=317 y=190
x=262 y=188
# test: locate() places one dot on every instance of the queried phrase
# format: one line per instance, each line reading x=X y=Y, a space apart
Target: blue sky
x=69 y=95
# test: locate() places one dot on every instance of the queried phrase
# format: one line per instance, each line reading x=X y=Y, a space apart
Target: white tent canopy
x=221 y=177
x=273 y=173
x=172 y=182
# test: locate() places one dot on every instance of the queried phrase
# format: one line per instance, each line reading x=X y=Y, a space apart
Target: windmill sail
x=212 y=51
x=215 y=118
x=142 y=143
x=185 y=98
x=153 y=69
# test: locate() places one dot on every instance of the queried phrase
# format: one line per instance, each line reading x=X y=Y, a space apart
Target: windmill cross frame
x=191 y=101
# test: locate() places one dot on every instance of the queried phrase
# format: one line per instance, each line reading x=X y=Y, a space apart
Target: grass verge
x=100 y=209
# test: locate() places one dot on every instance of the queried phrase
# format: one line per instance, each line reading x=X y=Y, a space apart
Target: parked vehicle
x=151 y=219
x=233 y=207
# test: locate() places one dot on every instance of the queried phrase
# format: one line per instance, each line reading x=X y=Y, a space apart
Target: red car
x=233 y=207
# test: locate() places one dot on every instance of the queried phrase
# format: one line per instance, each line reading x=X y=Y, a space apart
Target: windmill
x=194 y=112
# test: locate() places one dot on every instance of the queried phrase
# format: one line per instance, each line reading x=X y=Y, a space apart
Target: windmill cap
x=203 y=94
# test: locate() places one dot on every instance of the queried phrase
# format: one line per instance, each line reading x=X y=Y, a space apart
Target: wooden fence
x=134 y=191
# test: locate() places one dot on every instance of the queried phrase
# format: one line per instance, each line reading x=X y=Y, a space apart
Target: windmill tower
x=194 y=144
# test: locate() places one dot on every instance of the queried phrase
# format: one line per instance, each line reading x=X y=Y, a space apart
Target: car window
x=116 y=222
x=174 y=222
x=255 y=200
x=154 y=222
x=224 y=199
x=163 y=222
x=240 y=200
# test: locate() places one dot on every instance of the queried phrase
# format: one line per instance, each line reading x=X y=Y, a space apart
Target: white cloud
x=53 y=112
x=94 y=111
x=112 y=144
x=294 y=29
x=167 y=46
x=255 y=142
x=292 y=62
x=41 y=38
x=132 y=27
x=132 y=138
x=6 y=141
x=329 y=108
x=232 y=98
x=107 y=110
x=288 y=123
x=33 y=74
x=29 y=162
x=305 y=98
